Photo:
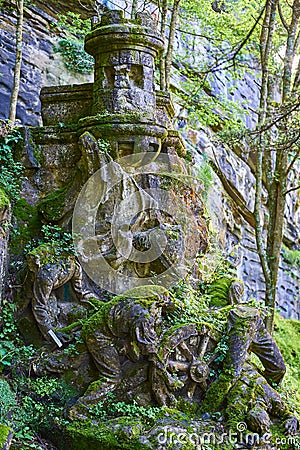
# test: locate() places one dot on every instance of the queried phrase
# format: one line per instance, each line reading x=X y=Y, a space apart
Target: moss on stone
x=44 y=253
x=110 y=435
x=101 y=317
x=52 y=206
x=217 y=393
x=4 y=434
x=218 y=291
x=70 y=327
x=4 y=200
x=28 y=224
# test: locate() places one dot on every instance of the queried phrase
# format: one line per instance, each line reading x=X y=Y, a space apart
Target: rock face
x=236 y=230
x=102 y=158
x=42 y=67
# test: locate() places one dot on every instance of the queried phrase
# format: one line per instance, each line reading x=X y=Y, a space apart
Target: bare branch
x=295 y=188
x=290 y=166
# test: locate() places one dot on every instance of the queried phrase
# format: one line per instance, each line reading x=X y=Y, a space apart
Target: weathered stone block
x=147 y=60
x=129 y=57
x=66 y=104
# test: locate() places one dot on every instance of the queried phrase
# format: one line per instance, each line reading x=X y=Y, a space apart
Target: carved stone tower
x=122 y=105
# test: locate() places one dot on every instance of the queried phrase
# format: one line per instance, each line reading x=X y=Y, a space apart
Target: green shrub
x=10 y=170
x=7 y=401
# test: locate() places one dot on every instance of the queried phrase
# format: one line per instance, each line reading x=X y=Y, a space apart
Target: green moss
x=188 y=408
x=4 y=200
x=44 y=253
x=101 y=317
x=98 y=319
x=37 y=153
x=7 y=399
x=28 y=224
x=217 y=393
x=218 y=291
x=282 y=441
x=4 y=434
x=70 y=327
x=110 y=435
x=287 y=336
x=291 y=257
x=53 y=205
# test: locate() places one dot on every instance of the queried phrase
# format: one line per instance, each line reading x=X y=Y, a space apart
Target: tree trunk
x=171 y=42
x=18 y=62
x=134 y=8
x=162 y=65
x=266 y=92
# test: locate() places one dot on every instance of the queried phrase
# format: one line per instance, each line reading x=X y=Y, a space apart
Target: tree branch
x=283 y=21
x=295 y=188
x=290 y=166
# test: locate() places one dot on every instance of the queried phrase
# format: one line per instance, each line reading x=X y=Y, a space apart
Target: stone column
x=124 y=99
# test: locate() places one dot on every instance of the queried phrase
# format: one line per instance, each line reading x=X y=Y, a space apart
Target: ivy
x=54 y=244
x=71 y=47
x=75 y=57
x=59 y=238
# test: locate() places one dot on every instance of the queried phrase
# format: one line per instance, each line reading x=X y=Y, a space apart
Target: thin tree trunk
x=134 y=8
x=275 y=230
x=266 y=42
x=18 y=62
x=172 y=33
x=290 y=51
x=162 y=66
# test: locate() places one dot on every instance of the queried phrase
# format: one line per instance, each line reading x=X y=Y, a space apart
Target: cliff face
x=235 y=228
x=41 y=66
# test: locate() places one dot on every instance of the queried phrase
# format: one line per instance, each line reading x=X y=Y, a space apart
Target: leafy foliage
x=61 y=239
x=110 y=408
x=10 y=170
x=217 y=42
x=72 y=47
x=26 y=404
x=54 y=244
x=72 y=23
x=75 y=57
x=291 y=257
